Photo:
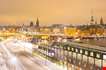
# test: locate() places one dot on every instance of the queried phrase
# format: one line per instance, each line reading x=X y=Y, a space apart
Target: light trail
x=12 y=61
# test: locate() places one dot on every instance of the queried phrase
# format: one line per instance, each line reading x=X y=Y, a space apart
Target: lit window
x=72 y=49
x=86 y=52
x=76 y=50
x=80 y=51
x=91 y=54
x=104 y=57
x=98 y=55
x=68 y=48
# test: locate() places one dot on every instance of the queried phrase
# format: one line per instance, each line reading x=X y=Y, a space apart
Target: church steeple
x=37 y=22
x=101 y=21
x=92 y=21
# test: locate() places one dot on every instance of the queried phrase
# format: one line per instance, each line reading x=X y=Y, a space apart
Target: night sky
x=51 y=11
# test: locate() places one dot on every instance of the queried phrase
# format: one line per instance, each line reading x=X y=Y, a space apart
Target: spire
x=37 y=22
x=101 y=21
x=92 y=18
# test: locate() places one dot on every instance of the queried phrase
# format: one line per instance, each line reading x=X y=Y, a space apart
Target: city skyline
x=51 y=12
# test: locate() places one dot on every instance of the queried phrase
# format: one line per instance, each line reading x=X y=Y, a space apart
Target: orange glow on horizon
x=52 y=11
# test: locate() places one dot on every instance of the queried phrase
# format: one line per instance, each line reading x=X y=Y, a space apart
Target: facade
x=93 y=29
x=70 y=31
x=45 y=30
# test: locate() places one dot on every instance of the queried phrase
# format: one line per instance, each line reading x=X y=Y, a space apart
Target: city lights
x=52 y=34
x=104 y=57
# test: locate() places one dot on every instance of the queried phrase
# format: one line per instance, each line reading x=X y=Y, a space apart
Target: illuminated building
x=70 y=31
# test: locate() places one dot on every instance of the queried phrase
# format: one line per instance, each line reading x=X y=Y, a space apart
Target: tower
x=101 y=21
x=31 y=24
x=37 y=22
x=92 y=20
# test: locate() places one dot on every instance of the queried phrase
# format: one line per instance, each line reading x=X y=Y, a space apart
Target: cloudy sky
x=51 y=11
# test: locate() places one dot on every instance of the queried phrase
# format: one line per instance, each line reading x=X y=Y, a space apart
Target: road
x=15 y=56
x=26 y=64
x=17 y=60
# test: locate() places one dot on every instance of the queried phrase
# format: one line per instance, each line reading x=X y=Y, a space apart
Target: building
x=70 y=31
x=93 y=29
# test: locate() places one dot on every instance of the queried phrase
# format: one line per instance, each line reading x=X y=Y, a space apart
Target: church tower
x=101 y=21
x=92 y=20
x=37 y=22
x=31 y=24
